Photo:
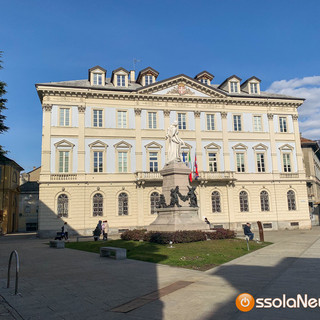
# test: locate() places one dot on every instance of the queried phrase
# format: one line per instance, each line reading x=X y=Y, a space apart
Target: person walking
x=105 y=229
x=65 y=231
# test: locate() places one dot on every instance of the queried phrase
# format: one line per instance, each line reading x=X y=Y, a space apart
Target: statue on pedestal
x=175 y=143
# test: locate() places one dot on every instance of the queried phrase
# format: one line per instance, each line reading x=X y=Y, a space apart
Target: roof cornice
x=101 y=93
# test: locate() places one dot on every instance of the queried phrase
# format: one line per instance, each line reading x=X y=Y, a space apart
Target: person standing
x=105 y=229
x=97 y=231
x=65 y=231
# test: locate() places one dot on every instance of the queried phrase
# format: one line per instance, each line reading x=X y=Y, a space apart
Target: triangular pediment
x=182 y=86
x=123 y=145
x=153 y=145
x=260 y=146
x=98 y=144
x=64 y=144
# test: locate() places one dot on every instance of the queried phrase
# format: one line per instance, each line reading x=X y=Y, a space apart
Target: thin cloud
x=309 y=113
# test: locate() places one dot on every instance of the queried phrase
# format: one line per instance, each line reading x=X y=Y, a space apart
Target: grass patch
x=201 y=255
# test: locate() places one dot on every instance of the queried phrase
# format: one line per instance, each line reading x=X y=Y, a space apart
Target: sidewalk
x=71 y=284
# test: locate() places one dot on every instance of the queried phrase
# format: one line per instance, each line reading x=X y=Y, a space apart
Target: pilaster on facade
x=81 y=140
x=198 y=151
x=226 y=153
x=300 y=165
x=273 y=147
x=46 y=139
x=138 y=151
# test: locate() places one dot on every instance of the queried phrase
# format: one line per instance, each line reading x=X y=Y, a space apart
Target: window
x=97 y=118
x=148 y=80
x=253 y=87
x=14 y=177
x=237 y=123
x=97 y=205
x=123 y=161
x=121 y=80
x=154 y=201
x=182 y=121
x=240 y=162
x=286 y=162
x=63 y=205
x=64 y=117
x=257 y=124
x=122 y=119
x=97 y=79
x=64 y=157
x=213 y=163
x=152 y=120
x=97 y=161
x=264 y=201
x=123 y=204
x=283 y=124
x=210 y=121
x=233 y=86
x=215 y=200
x=204 y=81
x=260 y=162
x=153 y=161
x=243 y=198
x=291 y=200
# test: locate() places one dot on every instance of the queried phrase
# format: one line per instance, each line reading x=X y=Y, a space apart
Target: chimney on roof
x=132 y=76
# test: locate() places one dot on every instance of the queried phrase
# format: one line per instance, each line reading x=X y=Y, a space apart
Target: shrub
x=134 y=235
x=163 y=237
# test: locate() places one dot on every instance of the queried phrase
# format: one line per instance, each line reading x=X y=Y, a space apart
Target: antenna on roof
x=135 y=61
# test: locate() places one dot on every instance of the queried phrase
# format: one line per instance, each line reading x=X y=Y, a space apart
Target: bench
x=117 y=253
x=80 y=237
x=57 y=244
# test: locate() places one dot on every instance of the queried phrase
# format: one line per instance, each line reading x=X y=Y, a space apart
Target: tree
x=3 y=101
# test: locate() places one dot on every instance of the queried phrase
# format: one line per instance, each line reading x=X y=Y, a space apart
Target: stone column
x=137 y=113
x=274 y=158
x=300 y=166
x=198 y=150
x=81 y=137
x=46 y=139
x=226 y=154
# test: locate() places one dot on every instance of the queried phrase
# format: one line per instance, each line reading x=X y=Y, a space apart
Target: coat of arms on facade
x=181 y=90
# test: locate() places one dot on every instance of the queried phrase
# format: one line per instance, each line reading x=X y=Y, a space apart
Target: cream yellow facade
x=107 y=141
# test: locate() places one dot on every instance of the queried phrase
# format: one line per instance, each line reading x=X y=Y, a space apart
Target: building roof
x=252 y=78
x=147 y=70
x=135 y=86
x=29 y=186
x=6 y=161
x=204 y=74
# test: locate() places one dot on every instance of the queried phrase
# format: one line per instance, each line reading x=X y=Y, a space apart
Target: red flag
x=196 y=167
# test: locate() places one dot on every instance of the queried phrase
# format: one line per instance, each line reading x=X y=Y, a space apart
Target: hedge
x=177 y=236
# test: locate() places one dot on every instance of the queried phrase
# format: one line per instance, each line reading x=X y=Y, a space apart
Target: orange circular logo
x=245 y=302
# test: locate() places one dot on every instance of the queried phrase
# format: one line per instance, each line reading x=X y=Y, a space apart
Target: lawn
x=202 y=255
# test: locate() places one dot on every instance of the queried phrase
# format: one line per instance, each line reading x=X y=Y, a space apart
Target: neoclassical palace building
x=103 y=145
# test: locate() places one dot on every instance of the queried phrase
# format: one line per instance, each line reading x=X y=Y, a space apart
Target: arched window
x=215 y=200
x=291 y=200
x=264 y=201
x=123 y=204
x=97 y=205
x=244 y=205
x=154 y=201
x=63 y=205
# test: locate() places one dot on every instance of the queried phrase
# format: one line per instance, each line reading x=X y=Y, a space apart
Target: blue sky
x=277 y=41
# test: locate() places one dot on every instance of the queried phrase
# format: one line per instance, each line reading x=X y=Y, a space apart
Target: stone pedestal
x=177 y=218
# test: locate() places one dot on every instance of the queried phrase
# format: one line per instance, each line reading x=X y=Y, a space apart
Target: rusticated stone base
x=174 y=219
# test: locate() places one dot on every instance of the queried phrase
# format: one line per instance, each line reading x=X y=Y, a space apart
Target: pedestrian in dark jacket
x=247 y=231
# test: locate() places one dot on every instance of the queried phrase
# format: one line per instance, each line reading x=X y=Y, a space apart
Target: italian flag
x=190 y=166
